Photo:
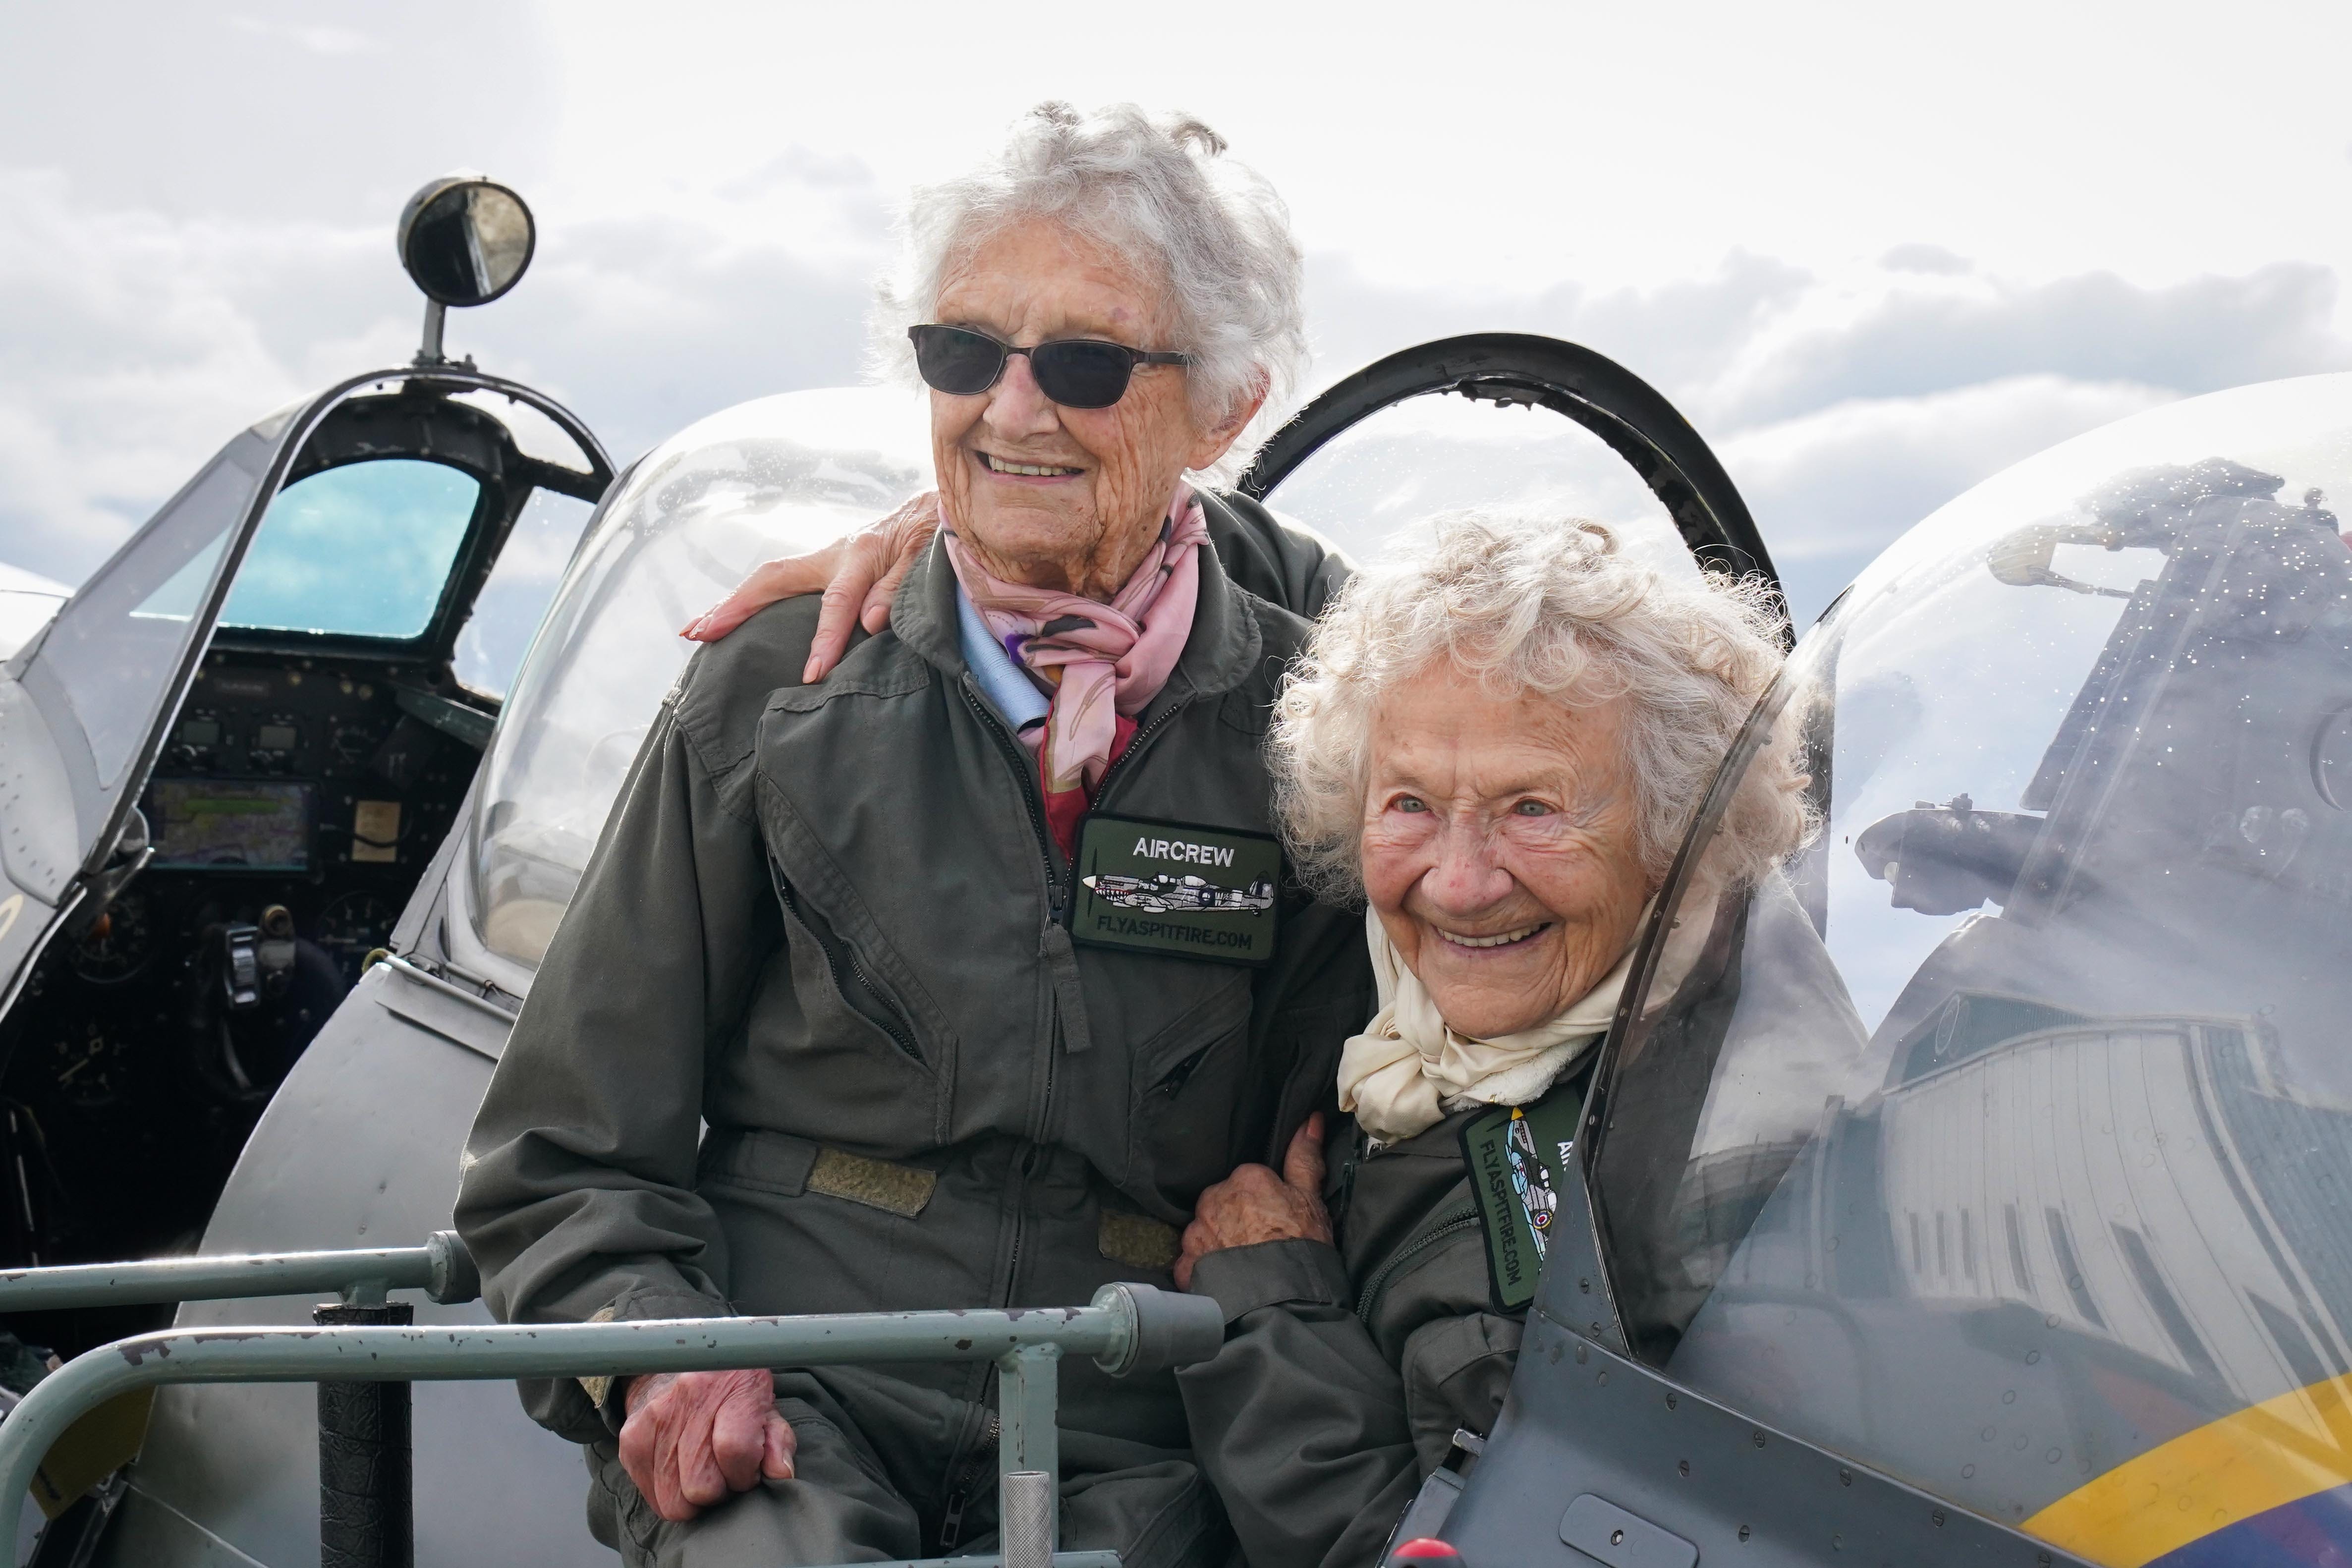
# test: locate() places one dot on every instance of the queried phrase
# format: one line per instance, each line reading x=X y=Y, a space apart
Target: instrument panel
x=301 y=766
x=295 y=783
x=294 y=804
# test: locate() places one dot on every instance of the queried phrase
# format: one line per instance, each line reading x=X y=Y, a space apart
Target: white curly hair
x=1156 y=190
x=1546 y=604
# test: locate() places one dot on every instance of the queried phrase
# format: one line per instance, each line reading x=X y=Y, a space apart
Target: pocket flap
x=763 y=1161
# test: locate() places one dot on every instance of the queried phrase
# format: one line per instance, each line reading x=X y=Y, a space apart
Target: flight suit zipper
x=1056 y=882
x=974 y=1470
x=1347 y=1194
x=1032 y=795
x=1024 y=767
x=1135 y=745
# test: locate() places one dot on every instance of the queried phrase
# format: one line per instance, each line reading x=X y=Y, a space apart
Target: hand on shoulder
x=857 y=576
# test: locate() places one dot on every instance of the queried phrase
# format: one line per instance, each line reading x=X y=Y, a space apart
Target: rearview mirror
x=465 y=240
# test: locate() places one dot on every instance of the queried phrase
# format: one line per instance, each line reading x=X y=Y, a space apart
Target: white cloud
x=139 y=344
x=195 y=208
x=122 y=365
x=318 y=40
x=1831 y=488
x=1847 y=407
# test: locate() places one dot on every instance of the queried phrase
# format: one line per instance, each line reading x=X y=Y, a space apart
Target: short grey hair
x=1157 y=190
x=1551 y=606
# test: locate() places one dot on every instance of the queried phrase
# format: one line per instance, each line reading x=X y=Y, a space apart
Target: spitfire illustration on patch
x=1162 y=893
x=1534 y=1184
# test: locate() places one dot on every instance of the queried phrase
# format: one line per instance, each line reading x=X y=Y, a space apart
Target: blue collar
x=1006 y=683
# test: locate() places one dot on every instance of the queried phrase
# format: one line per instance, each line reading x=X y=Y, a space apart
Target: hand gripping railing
x=1129 y=1327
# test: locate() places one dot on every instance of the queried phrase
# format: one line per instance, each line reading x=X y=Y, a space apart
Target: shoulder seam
x=719 y=774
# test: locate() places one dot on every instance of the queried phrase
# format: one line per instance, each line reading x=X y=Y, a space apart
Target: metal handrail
x=1129 y=1327
x=442 y=1269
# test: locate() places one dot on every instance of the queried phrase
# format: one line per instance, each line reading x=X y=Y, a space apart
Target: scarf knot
x=1100 y=664
x=1409 y=1067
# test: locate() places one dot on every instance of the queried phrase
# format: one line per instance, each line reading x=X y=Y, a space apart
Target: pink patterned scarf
x=1101 y=664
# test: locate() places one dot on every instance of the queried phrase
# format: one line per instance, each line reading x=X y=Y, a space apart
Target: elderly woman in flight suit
x=1497 y=741
x=831 y=914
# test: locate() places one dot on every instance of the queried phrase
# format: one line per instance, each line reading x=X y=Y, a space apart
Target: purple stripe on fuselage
x=2309 y=1532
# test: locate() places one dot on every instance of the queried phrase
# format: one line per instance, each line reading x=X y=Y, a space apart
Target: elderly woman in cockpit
x=1497 y=741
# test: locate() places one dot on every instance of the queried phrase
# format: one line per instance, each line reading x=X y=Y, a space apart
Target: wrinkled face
x=1498 y=848
x=1098 y=480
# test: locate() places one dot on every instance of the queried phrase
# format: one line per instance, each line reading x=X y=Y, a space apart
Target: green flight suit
x=1347 y=1369
x=823 y=920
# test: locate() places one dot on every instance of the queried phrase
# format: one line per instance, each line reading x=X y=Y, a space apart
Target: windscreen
x=2000 y=1136
x=106 y=665
x=362 y=549
x=772 y=478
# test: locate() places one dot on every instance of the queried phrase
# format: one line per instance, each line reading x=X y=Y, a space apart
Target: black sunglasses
x=1076 y=373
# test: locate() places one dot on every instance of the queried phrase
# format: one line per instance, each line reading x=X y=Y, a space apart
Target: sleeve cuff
x=610 y=1394
x=1292 y=1272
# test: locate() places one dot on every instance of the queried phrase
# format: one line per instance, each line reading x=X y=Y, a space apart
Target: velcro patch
x=601 y=1384
x=1517 y=1157
x=1137 y=1241
x=901 y=1190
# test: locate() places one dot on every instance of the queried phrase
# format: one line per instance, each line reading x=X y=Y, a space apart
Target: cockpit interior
x=319 y=756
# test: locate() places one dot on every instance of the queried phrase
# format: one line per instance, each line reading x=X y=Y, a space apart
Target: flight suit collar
x=1219 y=655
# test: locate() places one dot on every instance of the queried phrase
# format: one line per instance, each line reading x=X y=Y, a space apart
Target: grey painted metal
x=1105 y=1330
x=1737 y=1491
x=1026 y=1383
x=1575 y=1287
x=432 y=982
x=1600 y=1529
x=202 y=1278
x=360 y=1146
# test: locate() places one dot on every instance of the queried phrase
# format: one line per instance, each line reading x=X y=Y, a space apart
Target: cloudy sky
x=1873 y=252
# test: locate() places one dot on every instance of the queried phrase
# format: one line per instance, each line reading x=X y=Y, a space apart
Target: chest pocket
x=1190 y=1080
x=858 y=1060
x=853 y=984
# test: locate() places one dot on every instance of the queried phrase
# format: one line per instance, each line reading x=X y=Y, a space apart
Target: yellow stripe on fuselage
x=2265 y=1456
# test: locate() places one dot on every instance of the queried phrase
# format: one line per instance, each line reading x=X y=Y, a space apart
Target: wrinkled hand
x=1254 y=1204
x=856 y=574
x=692 y=1437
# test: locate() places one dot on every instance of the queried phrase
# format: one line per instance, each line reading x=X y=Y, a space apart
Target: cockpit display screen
x=257 y=826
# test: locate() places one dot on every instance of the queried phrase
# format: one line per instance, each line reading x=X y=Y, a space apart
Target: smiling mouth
x=1502 y=938
x=996 y=465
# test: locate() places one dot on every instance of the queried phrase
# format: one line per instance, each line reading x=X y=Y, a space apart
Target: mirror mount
x=464 y=241
x=429 y=353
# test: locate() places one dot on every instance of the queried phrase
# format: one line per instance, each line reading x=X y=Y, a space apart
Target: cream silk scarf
x=1398 y=1075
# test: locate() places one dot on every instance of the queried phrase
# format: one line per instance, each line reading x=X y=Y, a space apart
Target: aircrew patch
x=1516 y=1156
x=1176 y=888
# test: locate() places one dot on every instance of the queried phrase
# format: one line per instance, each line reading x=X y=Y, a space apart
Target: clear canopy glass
x=498 y=632
x=1393 y=471
x=775 y=477
x=2000 y=1136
